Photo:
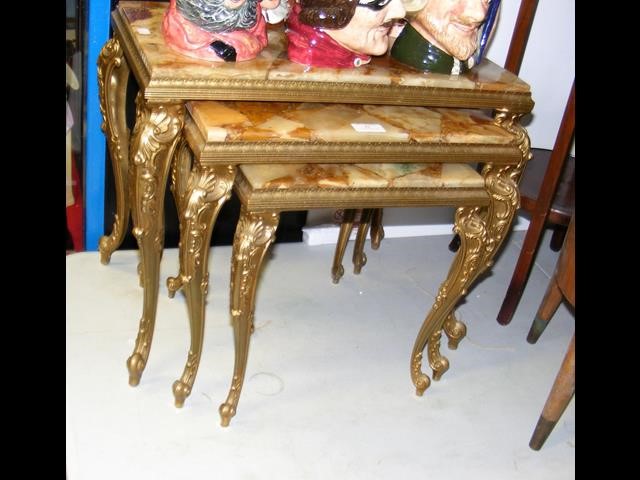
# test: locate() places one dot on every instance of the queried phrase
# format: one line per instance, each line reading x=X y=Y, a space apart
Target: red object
x=188 y=39
x=311 y=46
x=75 y=212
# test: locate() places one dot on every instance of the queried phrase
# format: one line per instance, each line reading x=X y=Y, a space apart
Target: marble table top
x=166 y=75
x=371 y=175
x=320 y=122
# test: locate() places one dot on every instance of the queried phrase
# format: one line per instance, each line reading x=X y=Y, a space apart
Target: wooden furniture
x=561 y=287
x=540 y=194
x=142 y=159
x=540 y=212
x=563 y=203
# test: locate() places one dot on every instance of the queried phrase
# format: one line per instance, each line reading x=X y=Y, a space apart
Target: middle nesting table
x=219 y=136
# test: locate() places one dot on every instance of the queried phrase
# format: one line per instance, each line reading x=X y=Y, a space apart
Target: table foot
x=180 y=392
x=135 y=365
x=455 y=331
x=254 y=233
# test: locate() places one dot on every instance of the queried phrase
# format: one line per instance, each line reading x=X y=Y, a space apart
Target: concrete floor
x=327 y=393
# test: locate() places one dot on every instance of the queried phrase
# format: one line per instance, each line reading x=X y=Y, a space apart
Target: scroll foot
x=135 y=365
x=180 y=392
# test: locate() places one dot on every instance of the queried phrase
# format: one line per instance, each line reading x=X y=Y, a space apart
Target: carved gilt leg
x=455 y=331
x=113 y=77
x=181 y=168
x=337 y=270
x=481 y=233
x=438 y=362
x=359 y=257
x=153 y=142
x=254 y=233
x=206 y=190
x=377 y=229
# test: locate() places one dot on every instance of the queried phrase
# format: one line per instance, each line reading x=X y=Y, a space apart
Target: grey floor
x=327 y=392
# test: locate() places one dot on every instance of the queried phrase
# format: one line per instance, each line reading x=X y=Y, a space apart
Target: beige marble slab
x=140 y=24
x=319 y=122
x=372 y=175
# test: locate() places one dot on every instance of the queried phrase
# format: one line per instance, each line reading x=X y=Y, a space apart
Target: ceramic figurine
x=445 y=36
x=340 y=33
x=217 y=30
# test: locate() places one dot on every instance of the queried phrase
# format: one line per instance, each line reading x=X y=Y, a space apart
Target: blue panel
x=95 y=146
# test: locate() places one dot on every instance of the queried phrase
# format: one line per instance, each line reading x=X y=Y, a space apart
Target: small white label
x=368 y=127
x=143 y=31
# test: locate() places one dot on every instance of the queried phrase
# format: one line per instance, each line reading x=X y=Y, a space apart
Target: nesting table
x=427 y=118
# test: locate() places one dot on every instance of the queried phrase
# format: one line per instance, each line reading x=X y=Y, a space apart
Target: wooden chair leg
x=563 y=389
x=539 y=215
x=550 y=303
x=557 y=239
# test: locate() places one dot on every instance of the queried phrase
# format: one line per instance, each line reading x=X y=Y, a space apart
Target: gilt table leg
x=481 y=233
x=200 y=198
x=153 y=142
x=113 y=77
x=455 y=330
x=359 y=257
x=377 y=229
x=254 y=233
x=337 y=270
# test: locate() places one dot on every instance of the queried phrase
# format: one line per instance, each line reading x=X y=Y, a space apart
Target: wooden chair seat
x=563 y=203
x=562 y=286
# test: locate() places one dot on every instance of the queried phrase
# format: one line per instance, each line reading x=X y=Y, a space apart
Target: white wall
x=548 y=64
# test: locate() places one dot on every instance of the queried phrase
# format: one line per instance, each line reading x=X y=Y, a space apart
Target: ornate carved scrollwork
x=254 y=233
x=113 y=75
x=509 y=121
x=471 y=227
x=481 y=231
x=438 y=362
x=455 y=331
x=154 y=140
x=505 y=199
x=420 y=380
x=200 y=193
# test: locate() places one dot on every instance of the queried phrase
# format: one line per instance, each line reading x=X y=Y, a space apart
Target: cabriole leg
x=154 y=139
x=200 y=198
x=254 y=233
x=113 y=77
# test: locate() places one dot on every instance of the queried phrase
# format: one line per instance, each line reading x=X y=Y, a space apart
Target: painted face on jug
x=368 y=30
x=452 y=25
